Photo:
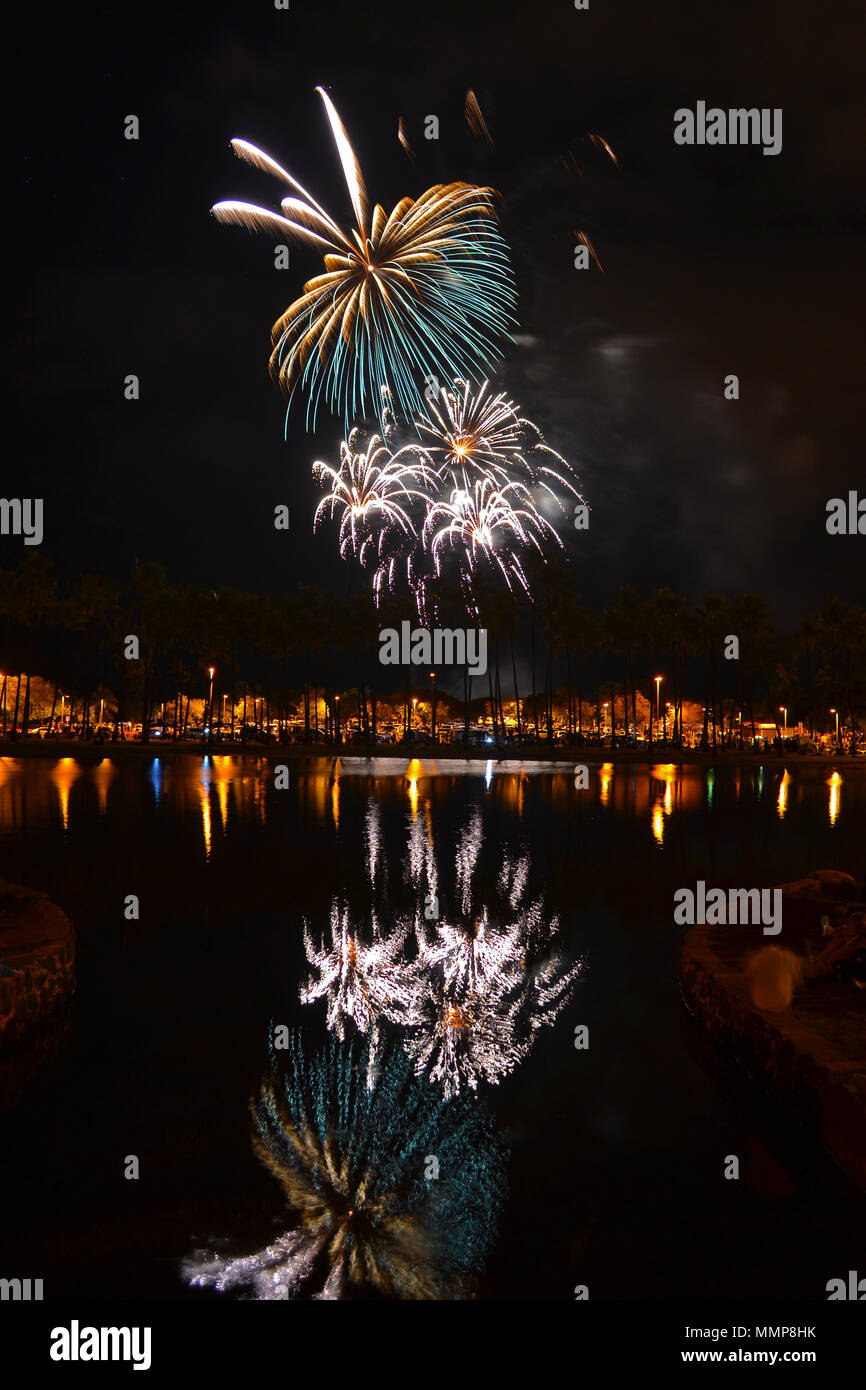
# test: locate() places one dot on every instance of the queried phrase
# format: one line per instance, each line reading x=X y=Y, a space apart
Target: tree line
x=548 y=658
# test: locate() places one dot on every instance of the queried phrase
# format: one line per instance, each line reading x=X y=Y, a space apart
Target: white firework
x=373 y=489
x=487 y=520
x=475 y=431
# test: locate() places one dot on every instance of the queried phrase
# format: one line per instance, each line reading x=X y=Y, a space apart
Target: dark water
x=616 y=1152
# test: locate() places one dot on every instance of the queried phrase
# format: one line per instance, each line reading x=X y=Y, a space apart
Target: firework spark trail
x=474 y=117
x=368 y=1217
x=426 y=289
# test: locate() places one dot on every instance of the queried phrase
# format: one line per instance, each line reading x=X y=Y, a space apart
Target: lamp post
x=211 y=670
x=414 y=708
x=836 y=712
x=433 y=705
x=658 y=681
x=606 y=707
x=783 y=710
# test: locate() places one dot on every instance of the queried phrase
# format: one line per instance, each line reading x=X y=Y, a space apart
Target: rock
x=826 y=883
x=37 y=951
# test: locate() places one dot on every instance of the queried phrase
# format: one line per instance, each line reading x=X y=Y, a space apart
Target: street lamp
x=433 y=705
x=211 y=670
x=412 y=719
x=836 y=712
x=783 y=709
x=658 y=681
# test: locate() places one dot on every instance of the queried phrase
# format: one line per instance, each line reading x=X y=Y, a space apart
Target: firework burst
x=471 y=429
x=487 y=520
x=426 y=289
x=372 y=490
x=369 y=1217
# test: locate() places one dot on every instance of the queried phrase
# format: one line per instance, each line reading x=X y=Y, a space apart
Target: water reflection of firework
x=484 y=976
x=393 y=1192
x=363 y=981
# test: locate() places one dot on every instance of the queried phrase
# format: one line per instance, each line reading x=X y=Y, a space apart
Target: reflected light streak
x=412 y=773
x=605 y=777
x=782 y=800
x=834 y=782
x=207 y=831
x=63 y=776
x=102 y=775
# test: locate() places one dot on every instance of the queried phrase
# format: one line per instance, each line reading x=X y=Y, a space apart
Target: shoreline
x=532 y=753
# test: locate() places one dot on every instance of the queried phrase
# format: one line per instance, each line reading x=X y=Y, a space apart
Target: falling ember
x=404 y=139
x=584 y=239
x=474 y=118
x=601 y=143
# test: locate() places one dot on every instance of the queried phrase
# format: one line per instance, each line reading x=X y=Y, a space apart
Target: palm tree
x=87 y=611
x=625 y=624
x=670 y=618
x=750 y=618
x=35 y=591
x=713 y=623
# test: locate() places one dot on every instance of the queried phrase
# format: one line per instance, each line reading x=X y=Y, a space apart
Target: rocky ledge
x=37 y=959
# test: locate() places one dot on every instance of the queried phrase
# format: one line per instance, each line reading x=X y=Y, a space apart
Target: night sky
x=717 y=260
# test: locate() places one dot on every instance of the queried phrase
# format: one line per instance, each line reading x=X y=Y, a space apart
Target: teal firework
x=423 y=292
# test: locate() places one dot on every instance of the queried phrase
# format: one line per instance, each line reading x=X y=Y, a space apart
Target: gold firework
x=426 y=289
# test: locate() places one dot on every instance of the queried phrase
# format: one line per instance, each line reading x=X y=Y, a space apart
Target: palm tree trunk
x=53 y=708
x=17 y=696
x=580 y=693
x=25 y=717
x=516 y=691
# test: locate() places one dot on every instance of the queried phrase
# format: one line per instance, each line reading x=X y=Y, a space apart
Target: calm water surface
x=616 y=1152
